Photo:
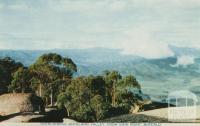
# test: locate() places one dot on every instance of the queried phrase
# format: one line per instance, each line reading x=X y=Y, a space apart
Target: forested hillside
x=153 y=74
x=85 y=98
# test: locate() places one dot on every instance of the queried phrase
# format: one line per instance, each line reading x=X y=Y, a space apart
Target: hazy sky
x=142 y=27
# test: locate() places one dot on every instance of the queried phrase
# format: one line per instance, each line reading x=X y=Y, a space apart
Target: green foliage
x=112 y=80
x=62 y=65
x=84 y=113
x=97 y=85
x=126 y=99
x=52 y=72
x=7 y=67
x=129 y=81
x=63 y=100
x=99 y=106
x=21 y=81
x=84 y=98
x=91 y=98
x=79 y=90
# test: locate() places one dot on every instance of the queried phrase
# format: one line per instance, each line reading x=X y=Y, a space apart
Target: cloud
x=140 y=41
x=138 y=27
x=184 y=61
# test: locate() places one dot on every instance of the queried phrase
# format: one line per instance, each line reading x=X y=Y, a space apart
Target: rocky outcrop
x=139 y=105
x=20 y=103
x=155 y=105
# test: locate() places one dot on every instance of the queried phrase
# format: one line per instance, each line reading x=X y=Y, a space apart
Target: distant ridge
x=157 y=76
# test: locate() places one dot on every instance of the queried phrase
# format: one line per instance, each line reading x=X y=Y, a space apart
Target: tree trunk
x=113 y=96
x=46 y=101
x=62 y=83
x=23 y=90
x=67 y=111
x=51 y=97
x=40 y=90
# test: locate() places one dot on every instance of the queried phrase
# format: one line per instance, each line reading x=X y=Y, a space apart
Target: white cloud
x=139 y=27
x=140 y=41
x=184 y=61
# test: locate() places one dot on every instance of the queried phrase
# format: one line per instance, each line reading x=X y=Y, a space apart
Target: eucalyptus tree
x=7 y=67
x=92 y=98
x=130 y=81
x=21 y=81
x=84 y=98
x=51 y=70
x=128 y=93
x=112 y=79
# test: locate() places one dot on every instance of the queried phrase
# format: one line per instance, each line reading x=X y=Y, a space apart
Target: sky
x=138 y=27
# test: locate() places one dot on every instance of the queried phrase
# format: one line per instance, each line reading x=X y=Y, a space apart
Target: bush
x=99 y=106
x=84 y=113
x=94 y=98
x=116 y=111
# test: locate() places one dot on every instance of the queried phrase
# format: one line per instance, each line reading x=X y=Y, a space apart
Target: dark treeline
x=85 y=98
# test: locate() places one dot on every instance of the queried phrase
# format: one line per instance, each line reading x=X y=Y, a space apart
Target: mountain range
x=158 y=77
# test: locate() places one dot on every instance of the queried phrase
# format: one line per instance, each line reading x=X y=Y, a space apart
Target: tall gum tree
x=50 y=69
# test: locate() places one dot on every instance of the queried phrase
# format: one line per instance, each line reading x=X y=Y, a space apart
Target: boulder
x=20 y=103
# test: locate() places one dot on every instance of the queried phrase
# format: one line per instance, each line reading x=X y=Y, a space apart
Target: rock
x=155 y=105
x=139 y=105
x=14 y=103
x=67 y=121
x=24 y=119
x=134 y=109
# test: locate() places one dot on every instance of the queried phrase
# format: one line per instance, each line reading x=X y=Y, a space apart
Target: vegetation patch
x=85 y=98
